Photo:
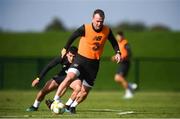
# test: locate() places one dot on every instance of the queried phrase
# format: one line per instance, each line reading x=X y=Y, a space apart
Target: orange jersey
x=91 y=45
x=124 y=52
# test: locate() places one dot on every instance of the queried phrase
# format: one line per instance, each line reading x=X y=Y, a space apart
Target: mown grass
x=99 y=104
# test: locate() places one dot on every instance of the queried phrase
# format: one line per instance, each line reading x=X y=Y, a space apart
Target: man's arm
x=51 y=64
x=113 y=42
x=79 y=32
x=115 y=46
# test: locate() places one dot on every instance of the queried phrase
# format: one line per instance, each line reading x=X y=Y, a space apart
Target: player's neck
x=99 y=30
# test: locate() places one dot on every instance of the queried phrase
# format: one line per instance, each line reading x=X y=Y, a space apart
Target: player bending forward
x=53 y=83
x=86 y=63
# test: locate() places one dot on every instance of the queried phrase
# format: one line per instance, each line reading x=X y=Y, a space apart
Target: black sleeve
x=79 y=32
x=113 y=42
x=49 y=66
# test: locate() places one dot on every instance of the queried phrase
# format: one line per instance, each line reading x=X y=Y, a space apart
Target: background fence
x=148 y=73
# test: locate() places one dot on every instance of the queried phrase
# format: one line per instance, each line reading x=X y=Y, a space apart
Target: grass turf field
x=105 y=104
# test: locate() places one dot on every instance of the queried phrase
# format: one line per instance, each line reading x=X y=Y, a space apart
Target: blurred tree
x=139 y=26
x=160 y=27
x=1 y=30
x=55 y=25
x=127 y=26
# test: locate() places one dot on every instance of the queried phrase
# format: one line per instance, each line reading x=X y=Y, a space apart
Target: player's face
x=97 y=21
x=118 y=37
x=70 y=57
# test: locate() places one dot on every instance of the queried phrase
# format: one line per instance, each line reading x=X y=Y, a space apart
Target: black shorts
x=86 y=69
x=59 y=78
x=123 y=68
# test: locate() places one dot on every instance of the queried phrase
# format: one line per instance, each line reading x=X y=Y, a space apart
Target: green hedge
x=154 y=74
x=144 y=44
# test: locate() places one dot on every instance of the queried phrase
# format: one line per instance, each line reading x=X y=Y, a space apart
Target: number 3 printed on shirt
x=96 y=46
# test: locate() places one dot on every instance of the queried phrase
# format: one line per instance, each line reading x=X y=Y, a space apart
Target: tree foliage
x=140 y=26
x=55 y=25
x=127 y=26
x=159 y=27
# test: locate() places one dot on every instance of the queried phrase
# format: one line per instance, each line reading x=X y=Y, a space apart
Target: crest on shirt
x=97 y=38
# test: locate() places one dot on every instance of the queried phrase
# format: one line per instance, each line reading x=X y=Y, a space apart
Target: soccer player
x=53 y=83
x=124 y=65
x=86 y=63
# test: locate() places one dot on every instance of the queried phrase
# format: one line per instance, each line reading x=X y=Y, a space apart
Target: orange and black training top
x=125 y=49
x=92 y=41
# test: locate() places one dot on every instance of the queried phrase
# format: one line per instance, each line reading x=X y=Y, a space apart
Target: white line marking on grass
x=126 y=112
x=106 y=110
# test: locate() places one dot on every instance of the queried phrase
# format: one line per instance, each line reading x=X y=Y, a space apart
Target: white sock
x=56 y=98
x=74 y=104
x=69 y=102
x=36 y=103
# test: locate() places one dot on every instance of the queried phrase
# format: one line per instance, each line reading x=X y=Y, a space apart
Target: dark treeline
x=57 y=25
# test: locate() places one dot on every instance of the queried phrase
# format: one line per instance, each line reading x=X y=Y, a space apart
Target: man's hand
x=63 y=52
x=35 y=82
x=113 y=58
x=118 y=57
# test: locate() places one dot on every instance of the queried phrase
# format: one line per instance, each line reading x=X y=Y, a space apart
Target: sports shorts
x=59 y=78
x=123 y=68
x=86 y=69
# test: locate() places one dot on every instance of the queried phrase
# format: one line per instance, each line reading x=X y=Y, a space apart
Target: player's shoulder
x=125 y=40
x=64 y=60
x=87 y=25
x=107 y=29
x=57 y=59
x=106 y=26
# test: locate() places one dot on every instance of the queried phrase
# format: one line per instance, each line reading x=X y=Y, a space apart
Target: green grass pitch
x=105 y=104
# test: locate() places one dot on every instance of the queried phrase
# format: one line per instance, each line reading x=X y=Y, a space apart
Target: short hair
x=121 y=33
x=73 y=50
x=100 y=12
